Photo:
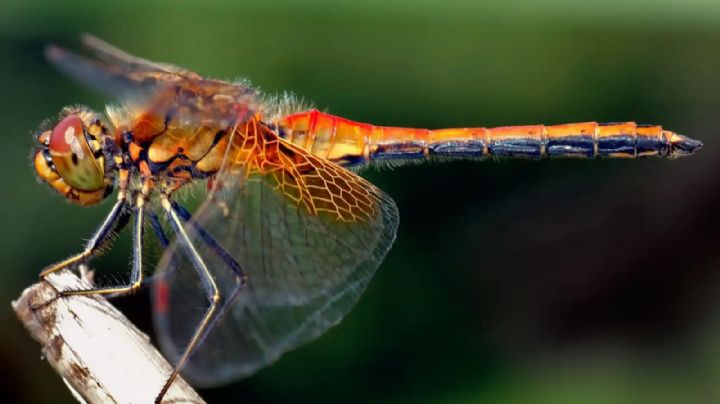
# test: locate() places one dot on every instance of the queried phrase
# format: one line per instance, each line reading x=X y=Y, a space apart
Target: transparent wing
x=308 y=234
x=119 y=57
x=113 y=71
x=156 y=88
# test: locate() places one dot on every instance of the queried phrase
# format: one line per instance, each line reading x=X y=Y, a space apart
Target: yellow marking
x=668 y=136
x=200 y=142
x=213 y=160
x=178 y=139
x=675 y=138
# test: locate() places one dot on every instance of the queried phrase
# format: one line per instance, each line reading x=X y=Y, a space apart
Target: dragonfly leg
x=205 y=236
x=157 y=228
x=210 y=242
x=164 y=243
x=208 y=282
x=113 y=223
x=136 y=275
x=216 y=248
x=223 y=255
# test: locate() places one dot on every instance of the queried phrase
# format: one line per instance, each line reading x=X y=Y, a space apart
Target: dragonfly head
x=682 y=145
x=69 y=156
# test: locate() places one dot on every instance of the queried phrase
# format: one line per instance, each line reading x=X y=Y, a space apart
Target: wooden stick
x=100 y=355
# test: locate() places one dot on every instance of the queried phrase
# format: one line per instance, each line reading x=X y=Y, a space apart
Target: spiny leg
x=164 y=243
x=157 y=228
x=237 y=270
x=207 y=281
x=214 y=246
x=136 y=275
x=113 y=223
x=210 y=241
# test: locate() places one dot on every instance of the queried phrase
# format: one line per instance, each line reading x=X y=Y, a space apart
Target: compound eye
x=72 y=156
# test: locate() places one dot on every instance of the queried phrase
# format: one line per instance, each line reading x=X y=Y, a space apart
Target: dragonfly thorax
x=70 y=157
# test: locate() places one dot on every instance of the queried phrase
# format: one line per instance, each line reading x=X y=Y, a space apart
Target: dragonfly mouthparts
x=683 y=146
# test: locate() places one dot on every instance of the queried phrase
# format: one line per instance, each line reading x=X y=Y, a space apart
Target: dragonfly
x=287 y=235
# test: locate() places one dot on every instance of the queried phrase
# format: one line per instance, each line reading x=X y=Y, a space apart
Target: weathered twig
x=99 y=354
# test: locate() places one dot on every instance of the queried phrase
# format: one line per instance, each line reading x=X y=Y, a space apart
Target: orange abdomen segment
x=331 y=137
x=352 y=143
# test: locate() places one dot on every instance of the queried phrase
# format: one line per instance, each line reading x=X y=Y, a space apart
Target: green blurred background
x=509 y=282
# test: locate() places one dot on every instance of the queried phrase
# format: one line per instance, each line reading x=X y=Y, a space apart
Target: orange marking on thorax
x=134 y=150
x=147 y=126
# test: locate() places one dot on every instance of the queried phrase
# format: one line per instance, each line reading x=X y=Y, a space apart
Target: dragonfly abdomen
x=351 y=143
x=577 y=140
x=581 y=140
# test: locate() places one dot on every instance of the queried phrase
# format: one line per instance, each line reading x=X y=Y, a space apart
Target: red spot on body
x=162 y=296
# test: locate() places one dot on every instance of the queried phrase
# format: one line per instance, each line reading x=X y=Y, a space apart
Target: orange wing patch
x=320 y=185
x=323 y=186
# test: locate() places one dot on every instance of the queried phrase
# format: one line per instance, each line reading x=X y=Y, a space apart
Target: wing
x=114 y=71
x=308 y=234
x=157 y=88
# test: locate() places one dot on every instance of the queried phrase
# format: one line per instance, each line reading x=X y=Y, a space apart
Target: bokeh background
x=510 y=282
